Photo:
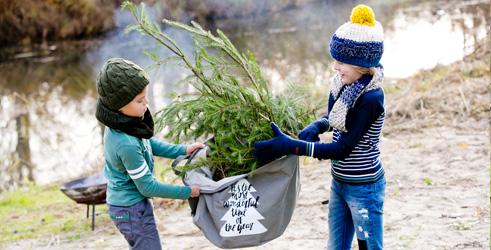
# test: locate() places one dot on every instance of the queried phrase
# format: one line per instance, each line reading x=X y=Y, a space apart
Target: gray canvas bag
x=244 y=210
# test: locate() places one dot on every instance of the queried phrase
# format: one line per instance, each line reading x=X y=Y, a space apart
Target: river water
x=48 y=96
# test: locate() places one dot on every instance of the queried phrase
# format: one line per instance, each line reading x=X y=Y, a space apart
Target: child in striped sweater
x=356 y=114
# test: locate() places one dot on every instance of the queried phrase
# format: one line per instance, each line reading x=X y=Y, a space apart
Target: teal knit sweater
x=130 y=172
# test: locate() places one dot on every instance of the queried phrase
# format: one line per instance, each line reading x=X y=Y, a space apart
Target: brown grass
x=442 y=95
x=34 y=21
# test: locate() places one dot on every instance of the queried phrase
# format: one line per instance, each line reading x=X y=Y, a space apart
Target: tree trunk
x=23 y=151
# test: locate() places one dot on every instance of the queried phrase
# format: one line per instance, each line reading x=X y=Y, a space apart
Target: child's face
x=138 y=106
x=349 y=74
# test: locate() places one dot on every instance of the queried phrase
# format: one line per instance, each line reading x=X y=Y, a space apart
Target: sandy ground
x=437 y=198
x=435 y=150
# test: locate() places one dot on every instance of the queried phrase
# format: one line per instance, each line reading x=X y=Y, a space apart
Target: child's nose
x=336 y=66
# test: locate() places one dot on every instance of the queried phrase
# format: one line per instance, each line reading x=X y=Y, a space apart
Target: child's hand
x=194 y=190
x=267 y=151
x=194 y=146
x=311 y=132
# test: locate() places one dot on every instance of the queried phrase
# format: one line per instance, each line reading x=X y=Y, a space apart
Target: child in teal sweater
x=129 y=149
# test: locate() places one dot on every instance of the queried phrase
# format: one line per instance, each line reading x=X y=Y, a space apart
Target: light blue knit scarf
x=346 y=98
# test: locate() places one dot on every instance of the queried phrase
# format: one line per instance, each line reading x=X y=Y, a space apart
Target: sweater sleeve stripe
x=141 y=170
x=134 y=171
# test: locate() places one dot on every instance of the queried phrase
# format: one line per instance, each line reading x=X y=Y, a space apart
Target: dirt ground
x=435 y=150
x=437 y=198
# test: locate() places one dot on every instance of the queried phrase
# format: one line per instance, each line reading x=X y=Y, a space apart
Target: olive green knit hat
x=119 y=82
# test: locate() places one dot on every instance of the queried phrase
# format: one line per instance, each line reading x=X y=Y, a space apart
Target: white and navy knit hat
x=359 y=42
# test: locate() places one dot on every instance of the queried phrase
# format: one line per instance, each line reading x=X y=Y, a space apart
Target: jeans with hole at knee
x=356 y=208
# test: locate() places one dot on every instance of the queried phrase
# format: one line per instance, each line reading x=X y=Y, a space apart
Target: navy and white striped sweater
x=355 y=155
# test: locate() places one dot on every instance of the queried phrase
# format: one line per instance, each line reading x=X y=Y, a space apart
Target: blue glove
x=312 y=131
x=268 y=151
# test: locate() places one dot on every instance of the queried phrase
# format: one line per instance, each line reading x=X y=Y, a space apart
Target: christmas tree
x=231 y=103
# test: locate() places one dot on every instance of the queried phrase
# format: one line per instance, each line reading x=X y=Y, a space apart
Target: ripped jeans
x=356 y=208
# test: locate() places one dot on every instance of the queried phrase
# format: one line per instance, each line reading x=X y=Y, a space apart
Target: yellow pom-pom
x=363 y=15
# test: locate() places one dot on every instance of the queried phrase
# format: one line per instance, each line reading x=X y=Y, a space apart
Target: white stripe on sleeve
x=143 y=169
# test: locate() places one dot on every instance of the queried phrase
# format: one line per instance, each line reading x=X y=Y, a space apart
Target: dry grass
x=442 y=95
x=37 y=21
x=34 y=21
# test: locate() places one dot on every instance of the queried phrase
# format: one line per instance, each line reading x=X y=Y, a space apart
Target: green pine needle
x=232 y=103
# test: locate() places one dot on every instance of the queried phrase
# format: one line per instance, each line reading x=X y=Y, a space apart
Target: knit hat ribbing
x=359 y=42
x=119 y=82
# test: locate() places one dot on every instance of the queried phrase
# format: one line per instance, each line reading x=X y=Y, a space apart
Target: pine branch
x=145 y=28
x=232 y=102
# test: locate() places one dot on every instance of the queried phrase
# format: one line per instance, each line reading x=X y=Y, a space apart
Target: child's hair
x=366 y=71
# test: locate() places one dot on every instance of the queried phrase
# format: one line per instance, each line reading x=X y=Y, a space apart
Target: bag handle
x=188 y=157
x=177 y=161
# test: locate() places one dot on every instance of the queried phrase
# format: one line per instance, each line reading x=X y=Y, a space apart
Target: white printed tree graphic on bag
x=242 y=218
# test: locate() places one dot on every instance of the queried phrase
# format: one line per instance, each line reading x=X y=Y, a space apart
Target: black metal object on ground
x=89 y=190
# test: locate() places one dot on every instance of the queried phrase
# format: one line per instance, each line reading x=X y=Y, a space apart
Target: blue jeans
x=137 y=224
x=356 y=208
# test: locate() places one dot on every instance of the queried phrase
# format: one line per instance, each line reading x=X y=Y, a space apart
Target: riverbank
x=435 y=149
x=33 y=22
x=29 y=21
